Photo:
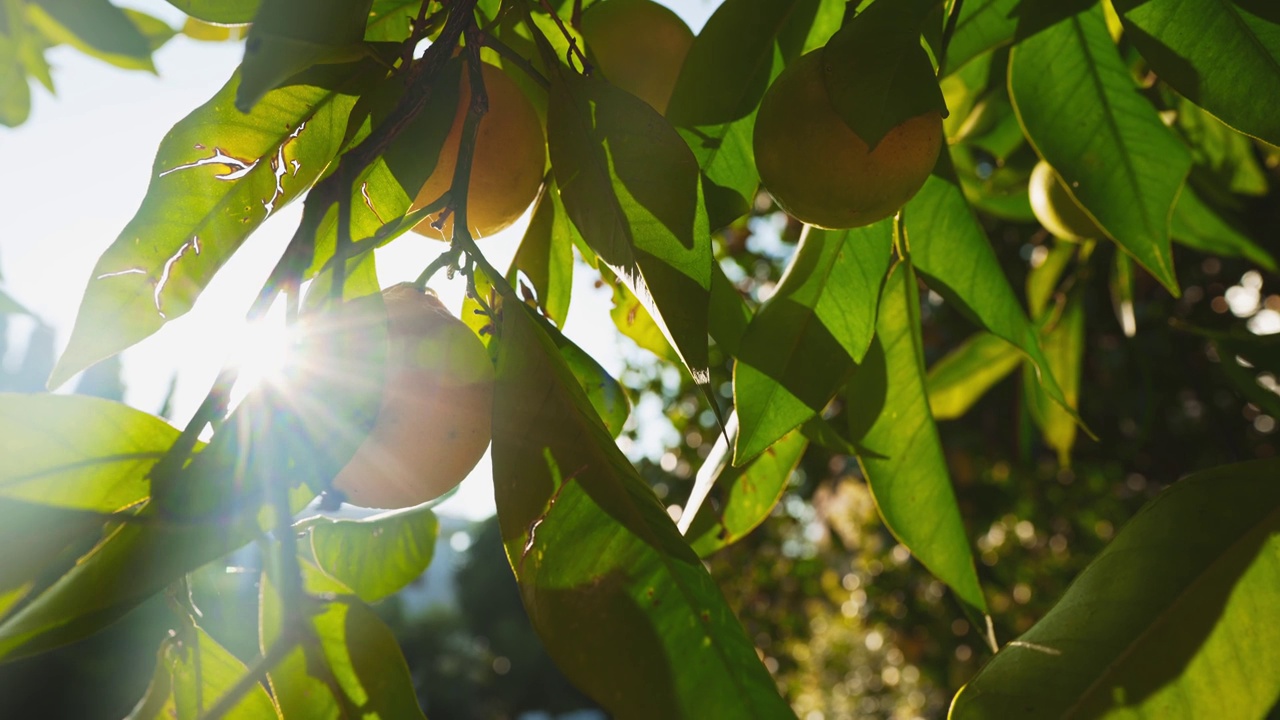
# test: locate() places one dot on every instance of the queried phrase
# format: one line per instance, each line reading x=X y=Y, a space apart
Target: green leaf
x=876 y=72
x=951 y=250
x=192 y=672
x=40 y=541
x=1081 y=110
x=1064 y=347
x=94 y=27
x=156 y=31
x=740 y=50
x=358 y=650
x=289 y=36
x=1121 y=286
x=79 y=452
x=633 y=320
x=217 y=176
x=15 y=93
x=1225 y=156
x=1043 y=280
x=729 y=314
x=802 y=344
x=197 y=29
x=750 y=494
x=1198 y=226
x=636 y=623
x=376 y=556
x=632 y=188
x=222 y=12
x=546 y=255
x=965 y=374
x=983 y=25
x=906 y=469
x=1171 y=620
x=1223 y=56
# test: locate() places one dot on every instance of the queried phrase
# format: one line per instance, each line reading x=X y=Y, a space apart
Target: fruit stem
x=573 y=41
x=516 y=59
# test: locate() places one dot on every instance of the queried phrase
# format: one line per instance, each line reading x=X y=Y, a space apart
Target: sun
x=260 y=354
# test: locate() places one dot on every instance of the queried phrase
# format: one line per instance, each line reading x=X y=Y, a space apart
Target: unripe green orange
x=639 y=45
x=506 y=170
x=1056 y=210
x=433 y=425
x=819 y=170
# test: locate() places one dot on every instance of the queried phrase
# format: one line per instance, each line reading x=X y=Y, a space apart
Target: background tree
x=809 y=373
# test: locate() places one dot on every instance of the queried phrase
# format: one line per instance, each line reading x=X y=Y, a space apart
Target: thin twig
x=573 y=41
x=490 y=41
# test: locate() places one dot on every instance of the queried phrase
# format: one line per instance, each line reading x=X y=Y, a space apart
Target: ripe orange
x=639 y=45
x=434 y=422
x=1056 y=209
x=819 y=170
x=506 y=171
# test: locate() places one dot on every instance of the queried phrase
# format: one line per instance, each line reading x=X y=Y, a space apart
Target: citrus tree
x=903 y=134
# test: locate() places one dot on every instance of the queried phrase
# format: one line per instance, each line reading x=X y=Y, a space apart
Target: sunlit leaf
x=376 y=556
x=78 y=452
x=289 y=36
x=1225 y=156
x=40 y=540
x=562 y=485
x=156 y=31
x=802 y=344
x=632 y=188
x=192 y=673
x=749 y=494
x=15 y=94
x=198 y=29
x=1064 y=347
x=217 y=176
x=952 y=252
x=356 y=648
x=908 y=474
x=633 y=320
x=94 y=27
x=1043 y=280
x=545 y=256
x=729 y=314
x=965 y=374
x=1082 y=111
x=1171 y=620
x=1224 y=56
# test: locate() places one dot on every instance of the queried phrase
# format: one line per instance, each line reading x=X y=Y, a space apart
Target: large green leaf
x=78 y=452
x=545 y=256
x=905 y=468
x=636 y=622
x=1198 y=226
x=1082 y=111
x=1222 y=54
x=359 y=652
x=378 y=555
x=802 y=344
x=218 y=176
x=1225 y=157
x=1172 y=620
x=749 y=494
x=192 y=672
x=94 y=27
x=982 y=25
x=743 y=46
x=949 y=247
x=632 y=188
x=39 y=542
x=965 y=374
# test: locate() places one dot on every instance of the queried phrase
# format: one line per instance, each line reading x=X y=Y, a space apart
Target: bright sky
x=77 y=170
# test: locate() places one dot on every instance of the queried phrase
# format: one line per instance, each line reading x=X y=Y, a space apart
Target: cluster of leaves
x=1141 y=114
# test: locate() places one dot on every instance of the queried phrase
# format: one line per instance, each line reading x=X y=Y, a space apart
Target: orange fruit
x=1056 y=209
x=639 y=46
x=506 y=171
x=433 y=425
x=819 y=170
